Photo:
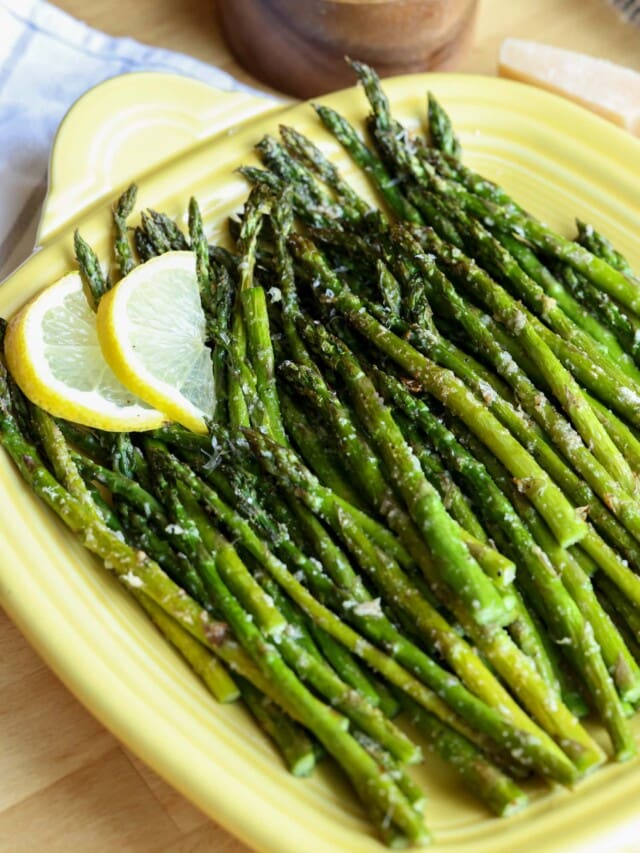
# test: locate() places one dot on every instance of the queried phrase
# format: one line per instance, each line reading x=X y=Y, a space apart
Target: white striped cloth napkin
x=47 y=60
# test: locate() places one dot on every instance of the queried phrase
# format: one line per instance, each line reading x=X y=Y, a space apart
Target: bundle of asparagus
x=418 y=495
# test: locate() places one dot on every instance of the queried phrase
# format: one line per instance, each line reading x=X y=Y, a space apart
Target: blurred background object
x=298 y=46
x=629 y=10
x=612 y=91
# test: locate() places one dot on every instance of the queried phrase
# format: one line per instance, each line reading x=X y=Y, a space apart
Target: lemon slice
x=53 y=353
x=151 y=327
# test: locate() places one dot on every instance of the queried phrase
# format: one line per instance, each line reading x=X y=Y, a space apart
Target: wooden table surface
x=67 y=784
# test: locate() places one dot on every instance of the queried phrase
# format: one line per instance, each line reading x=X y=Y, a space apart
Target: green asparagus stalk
x=564 y=387
x=316 y=641
x=512 y=220
x=260 y=349
x=218 y=329
x=296 y=747
x=625 y=438
x=155 y=233
x=201 y=660
x=144 y=247
x=454 y=499
x=371 y=786
x=368 y=162
x=122 y=209
x=457 y=569
x=624 y=326
x=571 y=306
x=239 y=387
x=345 y=665
x=365 y=467
x=497 y=791
x=568 y=527
x=454 y=169
x=314 y=444
x=200 y=248
x=306 y=151
x=92 y=275
x=295 y=173
x=620 y=663
x=496 y=645
x=599 y=245
x=161 y=224
x=624 y=608
x=441 y=133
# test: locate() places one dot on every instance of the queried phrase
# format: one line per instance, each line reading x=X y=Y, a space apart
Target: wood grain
x=67 y=785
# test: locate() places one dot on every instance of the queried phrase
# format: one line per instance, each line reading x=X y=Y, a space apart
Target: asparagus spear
x=564 y=387
x=314 y=444
x=547 y=498
x=218 y=329
x=296 y=747
x=624 y=326
x=295 y=173
x=441 y=133
x=260 y=350
x=208 y=668
x=599 y=245
x=536 y=695
x=366 y=468
x=166 y=231
x=454 y=499
x=122 y=247
x=367 y=161
x=155 y=233
x=486 y=781
x=454 y=169
x=371 y=786
x=456 y=568
x=239 y=380
x=307 y=152
x=572 y=307
x=92 y=275
x=144 y=247
x=559 y=607
x=616 y=482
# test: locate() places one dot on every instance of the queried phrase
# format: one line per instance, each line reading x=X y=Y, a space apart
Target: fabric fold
x=48 y=59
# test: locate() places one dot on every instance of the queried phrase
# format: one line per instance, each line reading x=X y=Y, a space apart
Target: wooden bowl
x=298 y=46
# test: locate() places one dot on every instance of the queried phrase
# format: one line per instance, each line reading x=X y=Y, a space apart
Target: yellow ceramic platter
x=179 y=138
